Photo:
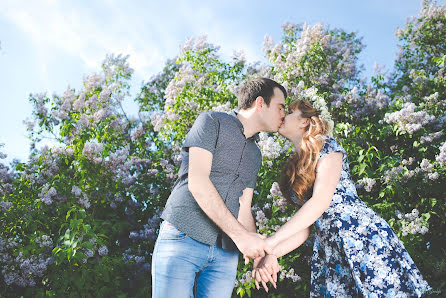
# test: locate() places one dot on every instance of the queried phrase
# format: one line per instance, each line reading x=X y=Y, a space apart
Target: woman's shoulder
x=330 y=146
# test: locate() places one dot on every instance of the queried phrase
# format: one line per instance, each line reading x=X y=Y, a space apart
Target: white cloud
x=50 y=26
x=150 y=34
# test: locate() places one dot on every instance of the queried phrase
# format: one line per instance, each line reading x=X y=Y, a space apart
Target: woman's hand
x=266 y=270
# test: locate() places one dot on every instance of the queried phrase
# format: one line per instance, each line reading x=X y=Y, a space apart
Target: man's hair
x=263 y=87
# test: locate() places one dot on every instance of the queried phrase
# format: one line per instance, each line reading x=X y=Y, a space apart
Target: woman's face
x=294 y=125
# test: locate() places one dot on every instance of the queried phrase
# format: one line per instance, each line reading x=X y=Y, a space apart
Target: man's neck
x=250 y=126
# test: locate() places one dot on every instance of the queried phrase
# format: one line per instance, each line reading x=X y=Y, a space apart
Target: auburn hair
x=299 y=171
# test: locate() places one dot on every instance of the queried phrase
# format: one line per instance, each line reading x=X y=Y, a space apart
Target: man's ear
x=259 y=103
x=306 y=122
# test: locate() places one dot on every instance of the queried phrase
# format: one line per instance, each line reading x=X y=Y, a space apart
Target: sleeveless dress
x=355 y=252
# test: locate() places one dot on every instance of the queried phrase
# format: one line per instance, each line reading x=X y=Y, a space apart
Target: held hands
x=266 y=269
x=252 y=246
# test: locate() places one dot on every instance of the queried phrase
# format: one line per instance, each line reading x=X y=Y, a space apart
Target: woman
x=355 y=251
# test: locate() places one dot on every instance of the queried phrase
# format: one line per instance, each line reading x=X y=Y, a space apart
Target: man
x=208 y=214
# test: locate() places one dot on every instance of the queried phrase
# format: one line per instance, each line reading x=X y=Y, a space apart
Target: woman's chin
x=282 y=132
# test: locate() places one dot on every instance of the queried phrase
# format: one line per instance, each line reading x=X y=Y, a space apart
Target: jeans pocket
x=169 y=232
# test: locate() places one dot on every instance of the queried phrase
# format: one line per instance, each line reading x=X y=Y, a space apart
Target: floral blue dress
x=355 y=252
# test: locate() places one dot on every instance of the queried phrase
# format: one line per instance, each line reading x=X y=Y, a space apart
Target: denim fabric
x=184 y=267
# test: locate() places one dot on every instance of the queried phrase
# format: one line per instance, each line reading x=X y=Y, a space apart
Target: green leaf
x=68 y=213
x=362 y=168
x=433 y=202
x=67 y=234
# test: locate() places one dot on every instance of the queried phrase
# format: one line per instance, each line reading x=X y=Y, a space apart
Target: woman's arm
x=328 y=173
x=290 y=244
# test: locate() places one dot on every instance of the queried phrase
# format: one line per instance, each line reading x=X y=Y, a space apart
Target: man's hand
x=252 y=245
x=266 y=270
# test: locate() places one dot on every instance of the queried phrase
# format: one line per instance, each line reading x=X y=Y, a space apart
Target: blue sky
x=47 y=45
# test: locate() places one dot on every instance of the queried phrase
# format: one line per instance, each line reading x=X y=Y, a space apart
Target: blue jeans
x=182 y=267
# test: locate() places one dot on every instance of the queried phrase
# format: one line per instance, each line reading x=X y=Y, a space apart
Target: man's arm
x=209 y=200
x=245 y=214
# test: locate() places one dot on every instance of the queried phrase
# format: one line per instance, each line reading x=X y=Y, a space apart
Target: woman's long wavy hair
x=299 y=172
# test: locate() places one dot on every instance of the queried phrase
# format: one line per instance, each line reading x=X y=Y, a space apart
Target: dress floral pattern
x=355 y=252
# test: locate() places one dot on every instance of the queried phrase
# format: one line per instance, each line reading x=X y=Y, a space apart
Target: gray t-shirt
x=235 y=165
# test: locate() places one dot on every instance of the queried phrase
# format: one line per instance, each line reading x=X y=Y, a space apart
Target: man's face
x=272 y=116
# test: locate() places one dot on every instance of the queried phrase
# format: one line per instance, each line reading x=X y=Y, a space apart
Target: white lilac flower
x=79 y=103
x=246 y=277
x=137 y=133
x=225 y=108
x=88 y=252
x=113 y=64
x=134 y=235
x=275 y=189
x=29 y=124
x=408 y=162
x=172 y=116
x=76 y=191
x=103 y=251
x=47 y=194
x=101 y=115
x=92 y=151
x=287 y=59
x=290 y=274
x=426 y=166
x=433 y=176
x=184 y=75
x=399 y=173
x=23 y=271
x=268 y=43
x=369 y=103
x=280 y=202
x=5 y=205
x=105 y=94
x=430 y=137
x=261 y=219
x=441 y=157
x=269 y=146
x=44 y=241
x=408 y=120
x=84 y=201
x=92 y=102
x=239 y=56
x=367 y=183
x=157 y=121
x=412 y=223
